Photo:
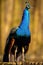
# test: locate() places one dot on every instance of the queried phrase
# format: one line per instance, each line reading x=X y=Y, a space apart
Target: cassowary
x=19 y=37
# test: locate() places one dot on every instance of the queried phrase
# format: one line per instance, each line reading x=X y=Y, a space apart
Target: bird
x=19 y=37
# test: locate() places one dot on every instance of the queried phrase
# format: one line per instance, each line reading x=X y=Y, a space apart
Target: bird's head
x=27 y=5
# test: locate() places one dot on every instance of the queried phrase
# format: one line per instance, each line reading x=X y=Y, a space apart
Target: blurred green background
x=11 y=14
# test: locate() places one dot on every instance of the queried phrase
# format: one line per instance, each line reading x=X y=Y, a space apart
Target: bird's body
x=21 y=35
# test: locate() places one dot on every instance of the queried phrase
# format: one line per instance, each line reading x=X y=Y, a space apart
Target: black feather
x=20 y=41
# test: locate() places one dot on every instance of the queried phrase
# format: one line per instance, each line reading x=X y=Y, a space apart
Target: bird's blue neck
x=25 y=19
x=23 y=29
